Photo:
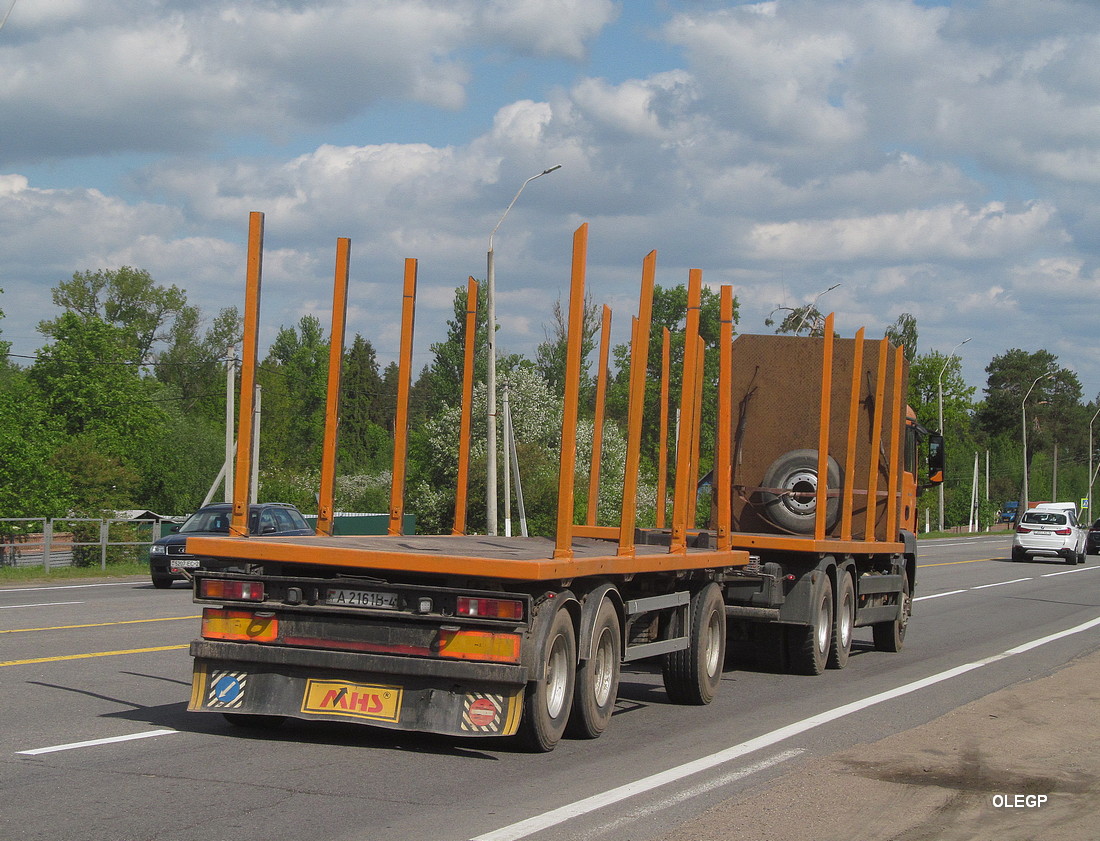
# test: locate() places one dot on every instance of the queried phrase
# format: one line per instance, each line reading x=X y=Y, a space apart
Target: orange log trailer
x=492 y=636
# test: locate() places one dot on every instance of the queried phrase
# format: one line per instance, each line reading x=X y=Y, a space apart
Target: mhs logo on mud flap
x=331 y=697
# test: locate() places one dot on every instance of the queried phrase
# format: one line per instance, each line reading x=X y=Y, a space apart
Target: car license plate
x=185 y=563
x=362 y=598
x=358 y=700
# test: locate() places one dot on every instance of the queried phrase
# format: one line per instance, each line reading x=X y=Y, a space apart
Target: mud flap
x=396 y=702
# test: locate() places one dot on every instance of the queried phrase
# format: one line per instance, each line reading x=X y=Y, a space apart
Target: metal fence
x=75 y=541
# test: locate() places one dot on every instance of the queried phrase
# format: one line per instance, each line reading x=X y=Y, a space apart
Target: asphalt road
x=83 y=664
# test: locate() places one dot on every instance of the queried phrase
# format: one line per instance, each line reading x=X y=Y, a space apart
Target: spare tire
x=794 y=507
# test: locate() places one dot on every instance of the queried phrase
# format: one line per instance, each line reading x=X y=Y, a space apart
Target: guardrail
x=58 y=542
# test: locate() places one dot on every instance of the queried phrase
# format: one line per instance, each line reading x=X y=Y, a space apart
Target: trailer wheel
x=547 y=702
x=808 y=646
x=692 y=674
x=597 y=686
x=844 y=620
x=795 y=473
x=890 y=636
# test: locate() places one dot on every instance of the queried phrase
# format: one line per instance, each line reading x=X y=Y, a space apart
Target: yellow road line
x=93 y=654
x=100 y=624
x=952 y=563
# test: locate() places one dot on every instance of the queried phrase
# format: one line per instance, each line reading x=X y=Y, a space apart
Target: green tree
x=294 y=377
x=903 y=333
x=670 y=310
x=550 y=354
x=193 y=361
x=364 y=442
x=126 y=298
x=31 y=484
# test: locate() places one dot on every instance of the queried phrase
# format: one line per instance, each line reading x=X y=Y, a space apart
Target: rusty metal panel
x=777 y=408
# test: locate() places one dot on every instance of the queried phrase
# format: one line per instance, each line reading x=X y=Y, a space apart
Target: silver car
x=1049 y=532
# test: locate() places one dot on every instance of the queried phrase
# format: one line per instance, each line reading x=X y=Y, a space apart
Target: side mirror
x=937 y=458
x=174 y=529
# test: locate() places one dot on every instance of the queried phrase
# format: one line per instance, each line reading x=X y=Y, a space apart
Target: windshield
x=1044 y=518
x=207 y=521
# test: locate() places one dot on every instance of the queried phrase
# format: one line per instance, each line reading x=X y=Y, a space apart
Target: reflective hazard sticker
x=482 y=713
x=226 y=689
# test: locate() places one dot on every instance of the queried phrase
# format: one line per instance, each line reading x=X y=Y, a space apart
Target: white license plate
x=362 y=598
x=185 y=563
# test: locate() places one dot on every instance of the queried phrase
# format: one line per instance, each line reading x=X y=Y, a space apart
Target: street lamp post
x=939 y=403
x=491 y=375
x=1022 y=507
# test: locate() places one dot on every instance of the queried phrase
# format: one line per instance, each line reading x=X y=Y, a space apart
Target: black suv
x=167 y=556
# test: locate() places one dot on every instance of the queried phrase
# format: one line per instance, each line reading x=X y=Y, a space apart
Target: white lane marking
x=1068 y=572
x=695 y=791
x=93 y=742
x=538 y=823
x=40 y=604
x=938 y=595
x=1001 y=583
x=68 y=587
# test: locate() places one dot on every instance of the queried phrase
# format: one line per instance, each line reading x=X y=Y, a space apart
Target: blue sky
x=940 y=159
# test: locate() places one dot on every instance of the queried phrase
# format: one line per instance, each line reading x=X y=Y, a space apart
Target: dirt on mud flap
x=1022 y=763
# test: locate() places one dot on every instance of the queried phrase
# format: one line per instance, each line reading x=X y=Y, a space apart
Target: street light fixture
x=1022 y=506
x=491 y=376
x=939 y=403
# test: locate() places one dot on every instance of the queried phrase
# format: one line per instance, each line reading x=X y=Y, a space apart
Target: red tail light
x=489 y=608
x=1022 y=530
x=1064 y=531
x=241 y=591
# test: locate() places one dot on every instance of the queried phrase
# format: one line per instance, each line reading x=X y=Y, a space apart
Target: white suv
x=1049 y=531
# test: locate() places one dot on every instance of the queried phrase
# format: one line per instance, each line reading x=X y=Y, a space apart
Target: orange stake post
x=825 y=417
x=876 y=440
x=681 y=489
x=325 y=507
x=696 y=432
x=597 y=423
x=722 y=465
x=639 y=369
x=563 y=547
x=897 y=418
x=401 y=424
x=463 y=482
x=242 y=477
x=853 y=428
x=662 y=453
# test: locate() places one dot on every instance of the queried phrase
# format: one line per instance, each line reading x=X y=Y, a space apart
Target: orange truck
x=481 y=635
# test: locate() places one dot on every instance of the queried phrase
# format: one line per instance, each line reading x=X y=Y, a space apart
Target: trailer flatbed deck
x=514 y=558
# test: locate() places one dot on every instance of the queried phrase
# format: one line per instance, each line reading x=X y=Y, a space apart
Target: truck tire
x=796 y=473
x=597 y=682
x=844 y=621
x=808 y=646
x=547 y=702
x=692 y=675
x=890 y=636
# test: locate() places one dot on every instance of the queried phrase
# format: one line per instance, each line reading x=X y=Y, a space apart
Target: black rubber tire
x=844 y=622
x=547 y=702
x=161 y=582
x=797 y=471
x=1071 y=558
x=1018 y=554
x=251 y=721
x=692 y=675
x=890 y=636
x=597 y=684
x=808 y=646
